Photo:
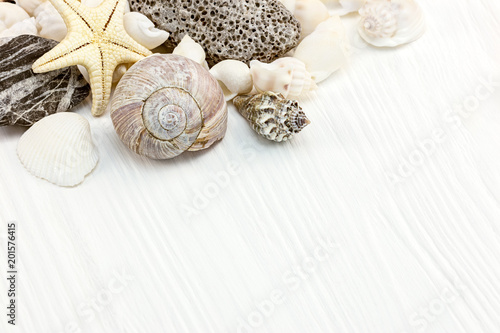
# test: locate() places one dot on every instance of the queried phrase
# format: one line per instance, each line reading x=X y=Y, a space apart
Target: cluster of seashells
x=166 y=104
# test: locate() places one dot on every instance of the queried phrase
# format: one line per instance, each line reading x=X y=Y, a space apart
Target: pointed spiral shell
x=166 y=104
x=271 y=115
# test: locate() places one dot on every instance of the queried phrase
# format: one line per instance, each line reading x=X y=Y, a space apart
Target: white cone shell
x=234 y=78
x=59 y=148
x=190 y=49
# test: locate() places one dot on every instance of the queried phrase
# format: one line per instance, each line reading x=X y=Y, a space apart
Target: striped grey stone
x=26 y=97
x=226 y=29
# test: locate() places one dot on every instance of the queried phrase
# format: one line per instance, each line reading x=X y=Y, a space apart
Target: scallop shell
x=343 y=7
x=391 y=22
x=190 y=49
x=11 y=14
x=59 y=148
x=325 y=50
x=287 y=76
x=310 y=13
x=49 y=22
x=271 y=115
x=166 y=104
x=143 y=31
x=24 y=27
x=233 y=76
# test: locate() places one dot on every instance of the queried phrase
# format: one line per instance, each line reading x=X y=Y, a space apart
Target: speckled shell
x=166 y=104
x=271 y=115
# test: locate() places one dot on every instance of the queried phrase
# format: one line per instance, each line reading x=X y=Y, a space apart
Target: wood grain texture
x=381 y=216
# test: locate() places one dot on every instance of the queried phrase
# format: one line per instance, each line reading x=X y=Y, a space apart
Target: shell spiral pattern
x=271 y=115
x=167 y=104
x=389 y=23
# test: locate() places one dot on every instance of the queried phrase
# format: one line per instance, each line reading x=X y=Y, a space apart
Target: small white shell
x=24 y=27
x=287 y=76
x=143 y=31
x=11 y=14
x=50 y=24
x=325 y=50
x=391 y=22
x=343 y=7
x=190 y=49
x=59 y=148
x=234 y=77
x=310 y=13
x=29 y=5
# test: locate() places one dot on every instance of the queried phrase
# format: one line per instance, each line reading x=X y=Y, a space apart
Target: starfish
x=97 y=40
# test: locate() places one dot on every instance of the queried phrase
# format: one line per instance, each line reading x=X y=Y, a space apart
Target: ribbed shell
x=166 y=104
x=271 y=115
x=59 y=148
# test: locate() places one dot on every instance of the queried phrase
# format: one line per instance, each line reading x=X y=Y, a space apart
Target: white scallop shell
x=29 y=5
x=24 y=27
x=287 y=76
x=11 y=14
x=325 y=50
x=343 y=7
x=391 y=22
x=310 y=13
x=143 y=31
x=233 y=76
x=49 y=22
x=59 y=148
x=190 y=49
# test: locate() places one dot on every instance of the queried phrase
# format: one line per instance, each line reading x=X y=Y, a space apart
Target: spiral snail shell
x=166 y=104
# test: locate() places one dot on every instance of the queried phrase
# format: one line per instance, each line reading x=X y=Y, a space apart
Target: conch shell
x=271 y=115
x=59 y=148
x=287 y=76
x=325 y=50
x=190 y=49
x=310 y=13
x=233 y=76
x=49 y=22
x=391 y=22
x=143 y=31
x=166 y=104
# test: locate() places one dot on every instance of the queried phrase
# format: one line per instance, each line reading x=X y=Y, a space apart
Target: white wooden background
x=382 y=216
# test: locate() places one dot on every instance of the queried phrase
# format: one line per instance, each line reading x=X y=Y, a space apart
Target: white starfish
x=97 y=40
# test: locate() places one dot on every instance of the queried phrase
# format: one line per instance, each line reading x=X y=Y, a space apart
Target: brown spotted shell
x=166 y=104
